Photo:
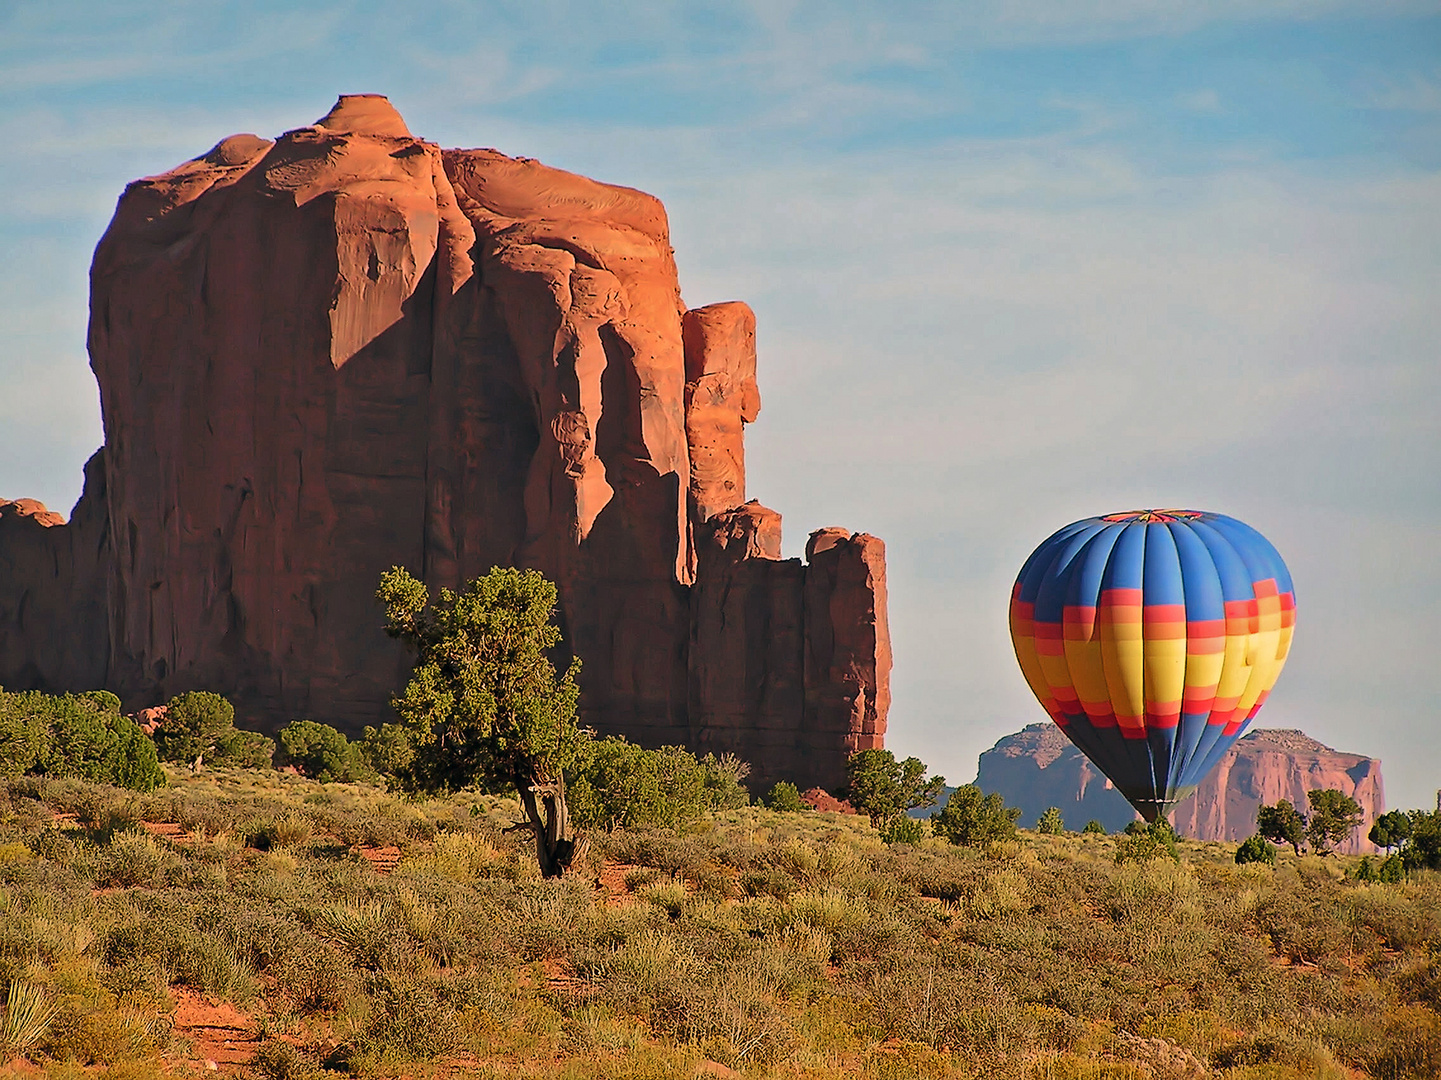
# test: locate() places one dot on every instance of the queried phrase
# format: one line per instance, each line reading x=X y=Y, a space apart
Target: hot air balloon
x=1152 y=638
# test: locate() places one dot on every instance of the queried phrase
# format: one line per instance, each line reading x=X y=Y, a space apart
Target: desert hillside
x=256 y=923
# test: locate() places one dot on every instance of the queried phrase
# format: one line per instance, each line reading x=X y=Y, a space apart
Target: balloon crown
x=1154 y=515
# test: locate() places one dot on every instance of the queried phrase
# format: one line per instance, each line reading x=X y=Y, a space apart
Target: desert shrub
x=903 y=830
x=1256 y=849
x=200 y=726
x=288 y=830
x=24 y=735
x=1392 y=871
x=768 y=881
x=722 y=779
x=617 y=784
x=1051 y=823
x=192 y=723
x=29 y=1013
x=785 y=797
x=243 y=749
x=456 y=856
x=79 y=736
x=1143 y=842
x=1365 y=870
x=134 y=859
x=322 y=753
x=973 y=819
x=276 y=1059
x=1093 y=828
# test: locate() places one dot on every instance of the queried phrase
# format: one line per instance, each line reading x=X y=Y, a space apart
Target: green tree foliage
x=484 y=706
x=192 y=725
x=1256 y=849
x=1391 y=829
x=786 y=797
x=971 y=818
x=322 y=753
x=1051 y=823
x=1365 y=870
x=884 y=788
x=1422 y=850
x=81 y=736
x=243 y=749
x=1334 y=817
x=199 y=728
x=616 y=784
x=1282 y=823
x=1143 y=841
x=1093 y=828
x=1392 y=870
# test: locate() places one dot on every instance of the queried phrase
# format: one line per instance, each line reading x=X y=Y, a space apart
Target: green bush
x=973 y=819
x=1365 y=869
x=192 y=723
x=615 y=784
x=786 y=797
x=1093 y=828
x=78 y=736
x=883 y=788
x=1143 y=842
x=322 y=753
x=1392 y=870
x=1051 y=823
x=243 y=749
x=903 y=830
x=1255 y=849
x=1422 y=850
x=199 y=726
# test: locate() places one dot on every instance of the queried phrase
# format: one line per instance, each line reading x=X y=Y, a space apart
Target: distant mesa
x=1039 y=767
x=347 y=348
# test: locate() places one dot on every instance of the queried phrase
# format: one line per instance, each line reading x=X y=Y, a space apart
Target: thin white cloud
x=1417 y=93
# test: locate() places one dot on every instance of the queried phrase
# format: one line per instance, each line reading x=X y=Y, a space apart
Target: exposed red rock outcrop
x=820 y=799
x=346 y=348
x=53 y=619
x=1039 y=767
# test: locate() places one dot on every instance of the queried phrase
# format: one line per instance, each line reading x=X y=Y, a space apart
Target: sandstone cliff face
x=347 y=349
x=52 y=579
x=1039 y=767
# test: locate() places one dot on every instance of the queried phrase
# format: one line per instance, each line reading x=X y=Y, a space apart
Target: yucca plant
x=28 y=1014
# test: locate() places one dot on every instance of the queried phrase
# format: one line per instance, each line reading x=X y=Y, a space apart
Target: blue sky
x=1014 y=264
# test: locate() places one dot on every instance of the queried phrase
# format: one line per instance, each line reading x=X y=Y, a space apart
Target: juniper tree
x=484 y=706
x=1334 y=817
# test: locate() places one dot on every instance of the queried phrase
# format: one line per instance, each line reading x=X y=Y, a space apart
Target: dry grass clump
x=789 y=945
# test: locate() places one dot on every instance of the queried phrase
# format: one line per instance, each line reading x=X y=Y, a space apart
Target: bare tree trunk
x=549 y=819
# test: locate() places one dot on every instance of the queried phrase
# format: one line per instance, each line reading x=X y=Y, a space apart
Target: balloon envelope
x=1152 y=638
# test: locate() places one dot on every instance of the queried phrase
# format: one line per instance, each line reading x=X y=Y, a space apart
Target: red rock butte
x=347 y=348
x=1039 y=767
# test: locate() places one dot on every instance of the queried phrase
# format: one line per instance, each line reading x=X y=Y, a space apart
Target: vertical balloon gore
x=1152 y=638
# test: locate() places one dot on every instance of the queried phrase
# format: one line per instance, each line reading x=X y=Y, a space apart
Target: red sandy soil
x=612 y=883
x=382 y=860
x=218 y=1032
